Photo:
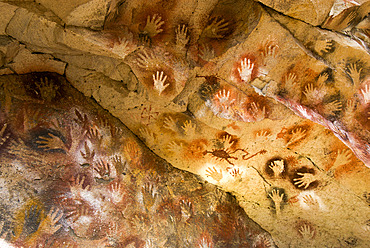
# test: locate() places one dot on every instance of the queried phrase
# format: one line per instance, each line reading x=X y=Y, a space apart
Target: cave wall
x=267 y=100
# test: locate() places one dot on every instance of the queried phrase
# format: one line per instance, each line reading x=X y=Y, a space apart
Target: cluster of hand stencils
x=187 y=93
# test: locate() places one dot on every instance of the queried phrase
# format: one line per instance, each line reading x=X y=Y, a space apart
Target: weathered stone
x=25 y=62
x=268 y=100
x=116 y=194
x=313 y=12
x=27 y=27
x=63 y=8
x=90 y=15
x=7 y=12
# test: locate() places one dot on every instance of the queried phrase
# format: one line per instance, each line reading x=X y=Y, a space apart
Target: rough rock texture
x=74 y=175
x=269 y=100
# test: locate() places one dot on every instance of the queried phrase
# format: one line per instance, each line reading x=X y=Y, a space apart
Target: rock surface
x=74 y=175
x=269 y=100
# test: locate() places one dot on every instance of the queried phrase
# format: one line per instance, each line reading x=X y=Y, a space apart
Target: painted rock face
x=268 y=100
x=74 y=175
